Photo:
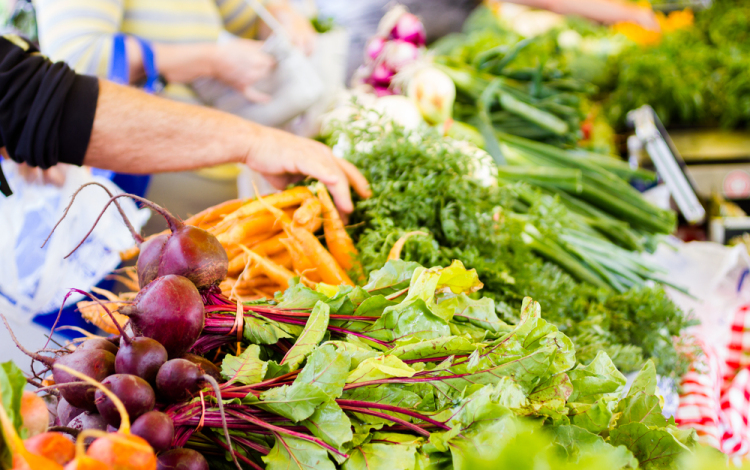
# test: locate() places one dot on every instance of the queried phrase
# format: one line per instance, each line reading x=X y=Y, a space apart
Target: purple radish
x=207 y=366
x=180 y=379
x=156 y=428
x=95 y=363
x=181 y=459
x=149 y=259
x=188 y=251
x=169 y=310
x=134 y=392
x=66 y=412
x=98 y=343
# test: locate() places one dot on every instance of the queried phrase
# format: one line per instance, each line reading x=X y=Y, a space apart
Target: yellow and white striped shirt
x=80 y=32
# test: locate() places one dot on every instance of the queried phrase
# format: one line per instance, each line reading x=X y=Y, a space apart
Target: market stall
x=513 y=294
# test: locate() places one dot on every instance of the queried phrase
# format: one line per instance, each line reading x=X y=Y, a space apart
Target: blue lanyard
x=119 y=71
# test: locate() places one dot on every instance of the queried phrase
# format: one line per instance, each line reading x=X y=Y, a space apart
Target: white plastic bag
x=34 y=280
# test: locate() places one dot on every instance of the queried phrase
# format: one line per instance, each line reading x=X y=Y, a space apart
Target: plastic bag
x=34 y=280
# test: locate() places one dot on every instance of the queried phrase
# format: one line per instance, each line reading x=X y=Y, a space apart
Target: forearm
x=138 y=133
x=180 y=63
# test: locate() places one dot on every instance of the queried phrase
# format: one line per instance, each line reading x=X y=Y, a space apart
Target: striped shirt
x=80 y=32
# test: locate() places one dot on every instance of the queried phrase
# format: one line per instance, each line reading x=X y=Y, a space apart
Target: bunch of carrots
x=273 y=239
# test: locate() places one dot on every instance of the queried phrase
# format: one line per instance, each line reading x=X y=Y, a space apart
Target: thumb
x=256 y=96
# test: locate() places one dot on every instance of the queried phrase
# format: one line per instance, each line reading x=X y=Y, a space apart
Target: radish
x=181 y=459
x=98 y=343
x=410 y=29
x=156 y=428
x=53 y=446
x=374 y=47
x=66 y=412
x=134 y=392
x=398 y=54
x=208 y=367
x=169 y=310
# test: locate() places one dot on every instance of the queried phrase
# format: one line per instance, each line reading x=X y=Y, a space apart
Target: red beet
x=147 y=265
x=178 y=380
x=181 y=459
x=88 y=420
x=169 y=310
x=134 y=392
x=141 y=357
x=156 y=428
x=98 y=343
x=66 y=412
x=207 y=366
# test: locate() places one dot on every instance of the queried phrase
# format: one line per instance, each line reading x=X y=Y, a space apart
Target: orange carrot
x=268 y=247
x=301 y=263
x=329 y=270
x=288 y=198
x=214 y=214
x=249 y=227
x=278 y=273
x=339 y=243
x=307 y=213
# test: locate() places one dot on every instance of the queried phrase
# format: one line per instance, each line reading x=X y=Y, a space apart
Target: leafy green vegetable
x=310 y=336
x=247 y=368
x=12 y=383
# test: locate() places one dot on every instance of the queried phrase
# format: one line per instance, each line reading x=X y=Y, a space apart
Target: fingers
x=356 y=179
x=256 y=96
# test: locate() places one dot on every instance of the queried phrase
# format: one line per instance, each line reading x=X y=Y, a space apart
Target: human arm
x=604 y=11
x=173 y=136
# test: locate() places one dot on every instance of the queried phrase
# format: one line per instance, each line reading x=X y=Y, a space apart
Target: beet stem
x=124 y=336
x=220 y=401
x=402 y=422
x=37 y=357
x=59 y=314
x=173 y=222
x=244 y=459
x=364 y=404
x=138 y=238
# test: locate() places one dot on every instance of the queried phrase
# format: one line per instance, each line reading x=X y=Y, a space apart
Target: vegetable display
x=521 y=240
x=411 y=370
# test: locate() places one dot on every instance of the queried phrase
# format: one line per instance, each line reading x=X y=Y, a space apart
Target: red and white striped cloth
x=715 y=397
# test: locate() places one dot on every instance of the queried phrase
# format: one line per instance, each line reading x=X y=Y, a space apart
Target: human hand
x=284 y=158
x=241 y=63
x=54 y=175
x=646 y=18
x=298 y=28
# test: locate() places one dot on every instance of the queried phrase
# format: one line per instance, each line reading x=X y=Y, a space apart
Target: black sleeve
x=46 y=109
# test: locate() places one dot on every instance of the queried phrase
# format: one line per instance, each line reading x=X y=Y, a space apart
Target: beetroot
x=66 y=412
x=88 y=420
x=156 y=428
x=141 y=357
x=188 y=251
x=179 y=380
x=147 y=265
x=207 y=366
x=98 y=343
x=169 y=310
x=134 y=392
x=181 y=459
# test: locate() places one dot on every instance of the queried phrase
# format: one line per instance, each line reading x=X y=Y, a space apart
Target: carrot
x=278 y=273
x=288 y=198
x=215 y=213
x=249 y=227
x=268 y=247
x=301 y=263
x=395 y=252
x=338 y=241
x=307 y=213
x=233 y=250
x=329 y=270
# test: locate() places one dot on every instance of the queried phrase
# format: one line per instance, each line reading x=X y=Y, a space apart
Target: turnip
x=134 y=392
x=188 y=251
x=169 y=310
x=381 y=75
x=398 y=54
x=374 y=47
x=410 y=29
x=156 y=428
x=181 y=459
